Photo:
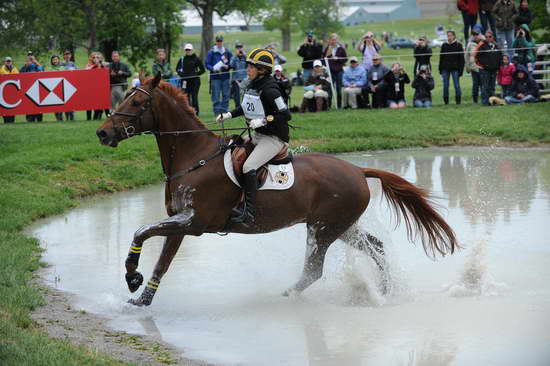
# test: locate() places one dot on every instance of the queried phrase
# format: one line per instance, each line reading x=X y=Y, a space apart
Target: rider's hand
x=222 y=117
x=258 y=122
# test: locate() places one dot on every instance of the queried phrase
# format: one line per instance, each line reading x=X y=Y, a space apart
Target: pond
x=220 y=301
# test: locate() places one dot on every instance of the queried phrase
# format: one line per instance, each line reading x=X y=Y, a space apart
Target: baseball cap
x=476 y=29
x=353 y=59
x=8 y=58
x=376 y=56
x=422 y=38
x=278 y=68
x=219 y=38
x=238 y=44
x=188 y=46
x=317 y=63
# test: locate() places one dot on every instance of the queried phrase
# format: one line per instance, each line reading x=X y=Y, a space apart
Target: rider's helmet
x=261 y=58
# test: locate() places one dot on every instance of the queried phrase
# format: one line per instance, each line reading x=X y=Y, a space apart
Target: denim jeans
x=488 y=80
x=508 y=36
x=526 y=99
x=469 y=21
x=422 y=103
x=307 y=74
x=220 y=89
x=476 y=85
x=445 y=75
x=487 y=20
x=337 y=82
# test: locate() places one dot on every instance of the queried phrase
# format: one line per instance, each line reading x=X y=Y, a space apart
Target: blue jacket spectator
x=355 y=76
x=238 y=65
x=217 y=61
x=354 y=80
x=32 y=65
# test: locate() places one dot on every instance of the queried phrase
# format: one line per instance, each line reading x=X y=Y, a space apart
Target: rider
x=267 y=114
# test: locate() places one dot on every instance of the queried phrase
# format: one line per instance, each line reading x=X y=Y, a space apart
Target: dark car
x=398 y=43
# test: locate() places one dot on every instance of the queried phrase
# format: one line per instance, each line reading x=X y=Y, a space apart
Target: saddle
x=240 y=152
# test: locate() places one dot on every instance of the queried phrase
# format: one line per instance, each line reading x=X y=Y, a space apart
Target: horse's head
x=133 y=116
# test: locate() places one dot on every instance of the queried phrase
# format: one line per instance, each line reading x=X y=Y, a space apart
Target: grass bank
x=47 y=168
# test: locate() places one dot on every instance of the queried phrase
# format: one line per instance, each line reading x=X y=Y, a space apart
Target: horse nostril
x=101 y=134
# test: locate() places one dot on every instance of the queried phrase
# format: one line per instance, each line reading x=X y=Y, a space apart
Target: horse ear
x=141 y=77
x=156 y=80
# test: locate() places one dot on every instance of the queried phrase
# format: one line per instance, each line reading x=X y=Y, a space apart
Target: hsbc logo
x=43 y=92
x=51 y=91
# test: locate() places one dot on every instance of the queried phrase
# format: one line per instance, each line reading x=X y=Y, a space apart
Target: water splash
x=475 y=279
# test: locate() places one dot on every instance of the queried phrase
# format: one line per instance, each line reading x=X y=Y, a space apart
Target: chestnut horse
x=328 y=194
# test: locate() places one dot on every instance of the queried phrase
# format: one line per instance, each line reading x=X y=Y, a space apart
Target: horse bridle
x=136 y=117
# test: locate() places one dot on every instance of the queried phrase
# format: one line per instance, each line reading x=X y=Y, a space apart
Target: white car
x=437 y=42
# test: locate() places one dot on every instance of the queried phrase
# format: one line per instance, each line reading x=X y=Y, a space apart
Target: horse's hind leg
x=169 y=250
x=319 y=239
x=361 y=240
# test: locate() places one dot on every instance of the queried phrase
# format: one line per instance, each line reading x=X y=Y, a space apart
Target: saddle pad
x=279 y=177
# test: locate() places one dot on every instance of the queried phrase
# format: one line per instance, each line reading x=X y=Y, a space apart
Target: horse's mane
x=180 y=96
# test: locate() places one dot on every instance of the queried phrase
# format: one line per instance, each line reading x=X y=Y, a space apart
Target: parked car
x=398 y=43
x=437 y=42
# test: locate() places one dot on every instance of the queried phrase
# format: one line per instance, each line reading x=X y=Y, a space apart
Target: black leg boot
x=246 y=215
x=457 y=99
x=446 y=100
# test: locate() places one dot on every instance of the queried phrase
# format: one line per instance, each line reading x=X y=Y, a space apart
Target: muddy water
x=487 y=305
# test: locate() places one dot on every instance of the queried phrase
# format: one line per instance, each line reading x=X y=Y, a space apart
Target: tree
x=320 y=17
x=134 y=27
x=541 y=21
x=206 y=9
x=250 y=10
x=283 y=15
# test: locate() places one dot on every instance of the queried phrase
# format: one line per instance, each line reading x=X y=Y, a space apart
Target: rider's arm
x=274 y=102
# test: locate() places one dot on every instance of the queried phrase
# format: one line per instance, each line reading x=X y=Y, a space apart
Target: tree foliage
x=541 y=21
x=135 y=27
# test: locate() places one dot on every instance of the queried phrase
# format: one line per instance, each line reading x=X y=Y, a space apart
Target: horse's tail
x=413 y=202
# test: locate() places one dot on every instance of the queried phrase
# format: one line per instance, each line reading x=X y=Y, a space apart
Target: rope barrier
x=398 y=56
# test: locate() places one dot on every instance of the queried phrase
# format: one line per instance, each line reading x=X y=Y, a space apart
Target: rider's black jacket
x=277 y=114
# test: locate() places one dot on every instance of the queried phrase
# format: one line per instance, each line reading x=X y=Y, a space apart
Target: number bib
x=252 y=106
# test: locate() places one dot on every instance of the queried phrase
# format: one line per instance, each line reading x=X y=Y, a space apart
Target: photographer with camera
x=423 y=85
x=395 y=81
x=310 y=51
x=238 y=65
x=524 y=48
x=368 y=47
x=95 y=61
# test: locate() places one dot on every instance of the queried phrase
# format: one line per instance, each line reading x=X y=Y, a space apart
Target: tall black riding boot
x=446 y=100
x=248 y=211
x=457 y=99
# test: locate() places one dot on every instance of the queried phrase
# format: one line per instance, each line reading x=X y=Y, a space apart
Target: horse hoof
x=138 y=302
x=134 y=280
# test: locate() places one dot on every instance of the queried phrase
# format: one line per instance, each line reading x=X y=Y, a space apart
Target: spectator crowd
x=497 y=50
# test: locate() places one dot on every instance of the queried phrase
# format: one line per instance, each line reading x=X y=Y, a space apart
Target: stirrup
x=241 y=216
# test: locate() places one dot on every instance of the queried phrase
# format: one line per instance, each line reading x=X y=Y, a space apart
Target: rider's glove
x=258 y=122
x=222 y=117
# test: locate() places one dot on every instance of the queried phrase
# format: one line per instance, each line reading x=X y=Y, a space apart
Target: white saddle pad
x=278 y=177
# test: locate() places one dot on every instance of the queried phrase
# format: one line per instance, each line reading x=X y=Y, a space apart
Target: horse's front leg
x=176 y=225
x=169 y=250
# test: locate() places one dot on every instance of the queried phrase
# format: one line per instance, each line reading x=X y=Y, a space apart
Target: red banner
x=54 y=91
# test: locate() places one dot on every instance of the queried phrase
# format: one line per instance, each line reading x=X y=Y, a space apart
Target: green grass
x=47 y=168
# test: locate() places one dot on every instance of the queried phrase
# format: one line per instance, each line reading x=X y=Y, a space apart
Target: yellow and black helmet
x=261 y=58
